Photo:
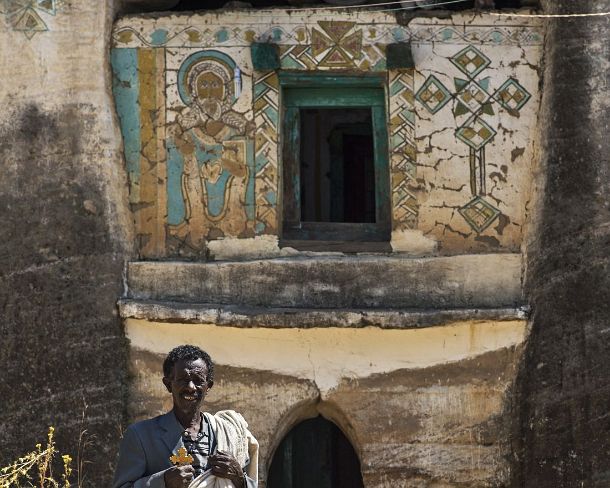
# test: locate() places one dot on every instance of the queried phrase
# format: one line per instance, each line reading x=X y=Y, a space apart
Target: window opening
x=337 y=165
x=317 y=454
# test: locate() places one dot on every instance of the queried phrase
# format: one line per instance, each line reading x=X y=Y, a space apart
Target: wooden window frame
x=317 y=90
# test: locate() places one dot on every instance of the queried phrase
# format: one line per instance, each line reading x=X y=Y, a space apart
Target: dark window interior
x=315 y=454
x=337 y=165
x=215 y=4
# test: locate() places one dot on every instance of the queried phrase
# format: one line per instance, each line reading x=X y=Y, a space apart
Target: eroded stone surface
x=486 y=281
x=562 y=433
x=438 y=426
x=64 y=236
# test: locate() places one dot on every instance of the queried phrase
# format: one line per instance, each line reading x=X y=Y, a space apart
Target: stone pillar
x=65 y=233
x=562 y=434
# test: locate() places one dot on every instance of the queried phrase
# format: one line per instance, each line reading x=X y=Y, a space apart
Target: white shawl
x=232 y=436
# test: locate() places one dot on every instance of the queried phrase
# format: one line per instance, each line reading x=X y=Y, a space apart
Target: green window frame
x=314 y=90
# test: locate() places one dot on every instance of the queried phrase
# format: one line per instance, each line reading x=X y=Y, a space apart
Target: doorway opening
x=315 y=453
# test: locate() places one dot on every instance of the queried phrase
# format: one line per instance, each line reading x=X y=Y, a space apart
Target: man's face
x=210 y=85
x=188 y=384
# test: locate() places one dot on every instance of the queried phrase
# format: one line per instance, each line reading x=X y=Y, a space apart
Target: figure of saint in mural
x=212 y=141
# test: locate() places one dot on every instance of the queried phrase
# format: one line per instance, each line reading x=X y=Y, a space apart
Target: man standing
x=186 y=444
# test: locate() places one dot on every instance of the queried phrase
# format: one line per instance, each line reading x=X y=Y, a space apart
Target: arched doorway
x=315 y=453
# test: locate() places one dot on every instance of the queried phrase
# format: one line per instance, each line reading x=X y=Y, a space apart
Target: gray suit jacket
x=145 y=451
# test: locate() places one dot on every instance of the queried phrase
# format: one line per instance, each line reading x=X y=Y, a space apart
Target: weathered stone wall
x=446 y=390
x=415 y=355
x=65 y=233
x=425 y=407
x=562 y=433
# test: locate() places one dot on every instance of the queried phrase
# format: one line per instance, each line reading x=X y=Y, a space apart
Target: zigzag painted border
x=403 y=149
x=266 y=118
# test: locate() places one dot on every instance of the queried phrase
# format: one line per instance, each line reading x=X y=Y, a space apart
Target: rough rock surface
x=440 y=426
x=62 y=247
x=562 y=436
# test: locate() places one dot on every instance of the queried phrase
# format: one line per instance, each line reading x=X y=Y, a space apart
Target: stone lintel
x=234 y=316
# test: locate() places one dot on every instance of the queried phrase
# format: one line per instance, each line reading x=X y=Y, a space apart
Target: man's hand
x=179 y=476
x=224 y=465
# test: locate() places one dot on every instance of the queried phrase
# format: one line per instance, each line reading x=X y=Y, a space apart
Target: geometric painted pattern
x=190 y=35
x=471 y=61
x=476 y=133
x=511 y=95
x=333 y=45
x=24 y=15
x=403 y=149
x=433 y=94
x=472 y=96
x=266 y=118
x=479 y=214
x=474 y=99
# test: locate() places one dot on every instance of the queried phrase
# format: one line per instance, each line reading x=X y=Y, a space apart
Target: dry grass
x=35 y=469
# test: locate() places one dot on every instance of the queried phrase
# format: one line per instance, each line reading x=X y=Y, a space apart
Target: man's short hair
x=188 y=353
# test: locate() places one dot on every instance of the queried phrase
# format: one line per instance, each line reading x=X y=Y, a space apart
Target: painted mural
x=28 y=16
x=473 y=102
x=210 y=153
x=201 y=126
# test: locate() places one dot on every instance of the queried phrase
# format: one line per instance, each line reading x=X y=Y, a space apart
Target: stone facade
x=425 y=357
x=66 y=233
x=311 y=333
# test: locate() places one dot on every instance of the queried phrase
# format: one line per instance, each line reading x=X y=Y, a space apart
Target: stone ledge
x=234 y=316
x=346 y=282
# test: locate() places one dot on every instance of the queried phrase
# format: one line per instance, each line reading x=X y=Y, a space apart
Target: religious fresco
x=189 y=135
x=210 y=153
x=201 y=126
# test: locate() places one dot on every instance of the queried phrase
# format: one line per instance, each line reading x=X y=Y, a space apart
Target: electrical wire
x=402 y=7
x=553 y=16
x=340 y=7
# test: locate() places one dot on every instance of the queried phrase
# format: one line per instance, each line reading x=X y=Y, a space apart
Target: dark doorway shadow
x=317 y=454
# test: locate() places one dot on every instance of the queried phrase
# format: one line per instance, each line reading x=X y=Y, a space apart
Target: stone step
x=342 y=282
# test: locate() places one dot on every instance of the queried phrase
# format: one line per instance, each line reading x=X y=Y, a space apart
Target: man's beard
x=212 y=107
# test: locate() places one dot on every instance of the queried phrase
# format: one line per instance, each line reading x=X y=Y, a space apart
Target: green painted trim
x=399 y=56
x=290 y=79
x=333 y=97
x=265 y=56
x=292 y=168
x=382 y=167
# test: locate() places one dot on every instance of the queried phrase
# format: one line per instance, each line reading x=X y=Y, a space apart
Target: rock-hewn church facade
x=394 y=221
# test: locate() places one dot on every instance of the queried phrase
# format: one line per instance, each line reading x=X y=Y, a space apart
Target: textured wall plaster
x=357 y=282
x=249 y=248
x=327 y=355
x=461 y=124
x=65 y=234
x=421 y=422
